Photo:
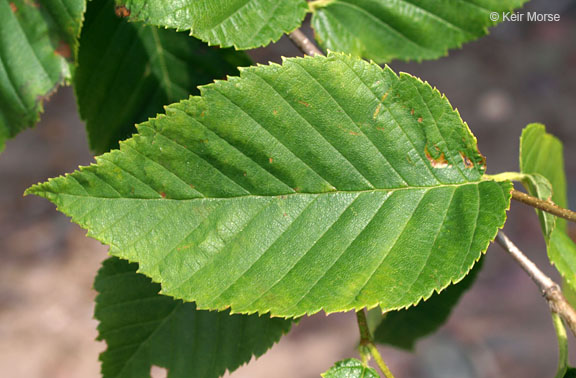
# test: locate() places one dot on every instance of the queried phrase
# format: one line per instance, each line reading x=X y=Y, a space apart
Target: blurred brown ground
x=521 y=73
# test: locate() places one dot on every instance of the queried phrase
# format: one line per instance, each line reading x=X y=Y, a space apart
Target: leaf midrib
x=387 y=190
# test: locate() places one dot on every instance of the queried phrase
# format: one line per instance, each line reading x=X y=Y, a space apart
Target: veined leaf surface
x=245 y=24
x=404 y=328
x=350 y=368
x=325 y=183
x=36 y=44
x=128 y=71
x=384 y=30
x=542 y=153
x=143 y=328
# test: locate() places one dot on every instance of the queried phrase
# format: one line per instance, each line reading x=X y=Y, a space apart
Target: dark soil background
x=523 y=72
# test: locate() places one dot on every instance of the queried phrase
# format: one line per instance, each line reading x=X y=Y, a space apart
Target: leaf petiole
x=367 y=345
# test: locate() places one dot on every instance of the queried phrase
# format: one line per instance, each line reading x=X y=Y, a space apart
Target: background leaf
x=541 y=188
x=542 y=153
x=127 y=72
x=324 y=183
x=384 y=30
x=36 y=46
x=404 y=328
x=143 y=328
x=245 y=24
x=350 y=368
x=562 y=253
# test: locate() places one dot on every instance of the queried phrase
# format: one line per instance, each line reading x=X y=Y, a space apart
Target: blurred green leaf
x=350 y=368
x=127 y=72
x=542 y=153
x=143 y=328
x=244 y=24
x=37 y=45
x=539 y=186
x=384 y=30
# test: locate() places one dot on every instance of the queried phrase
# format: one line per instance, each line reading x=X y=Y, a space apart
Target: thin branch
x=367 y=343
x=550 y=289
x=547 y=206
x=304 y=44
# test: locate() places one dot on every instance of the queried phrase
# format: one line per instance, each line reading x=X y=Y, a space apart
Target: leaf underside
x=143 y=328
x=245 y=24
x=384 y=30
x=542 y=153
x=405 y=327
x=36 y=44
x=127 y=72
x=540 y=187
x=324 y=183
x=350 y=368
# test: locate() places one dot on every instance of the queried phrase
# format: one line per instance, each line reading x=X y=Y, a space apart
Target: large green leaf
x=383 y=30
x=36 y=44
x=542 y=153
x=143 y=328
x=127 y=72
x=350 y=368
x=405 y=327
x=325 y=183
x=244 y=24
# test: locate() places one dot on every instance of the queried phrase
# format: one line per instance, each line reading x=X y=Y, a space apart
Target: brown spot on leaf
x=122 y=11
x=184 y=247
x=270 y=160
x=13 y=7
x=304 y=103
x=384 y=97
x=409 y=159
x=412 y=111
x=482 y=160
x=275 y=112
x=297 y=189
x=63 y=50
x=420 y=120
x=377 y=111
x=163 y=194
x=438 y=162
x=467 y=162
